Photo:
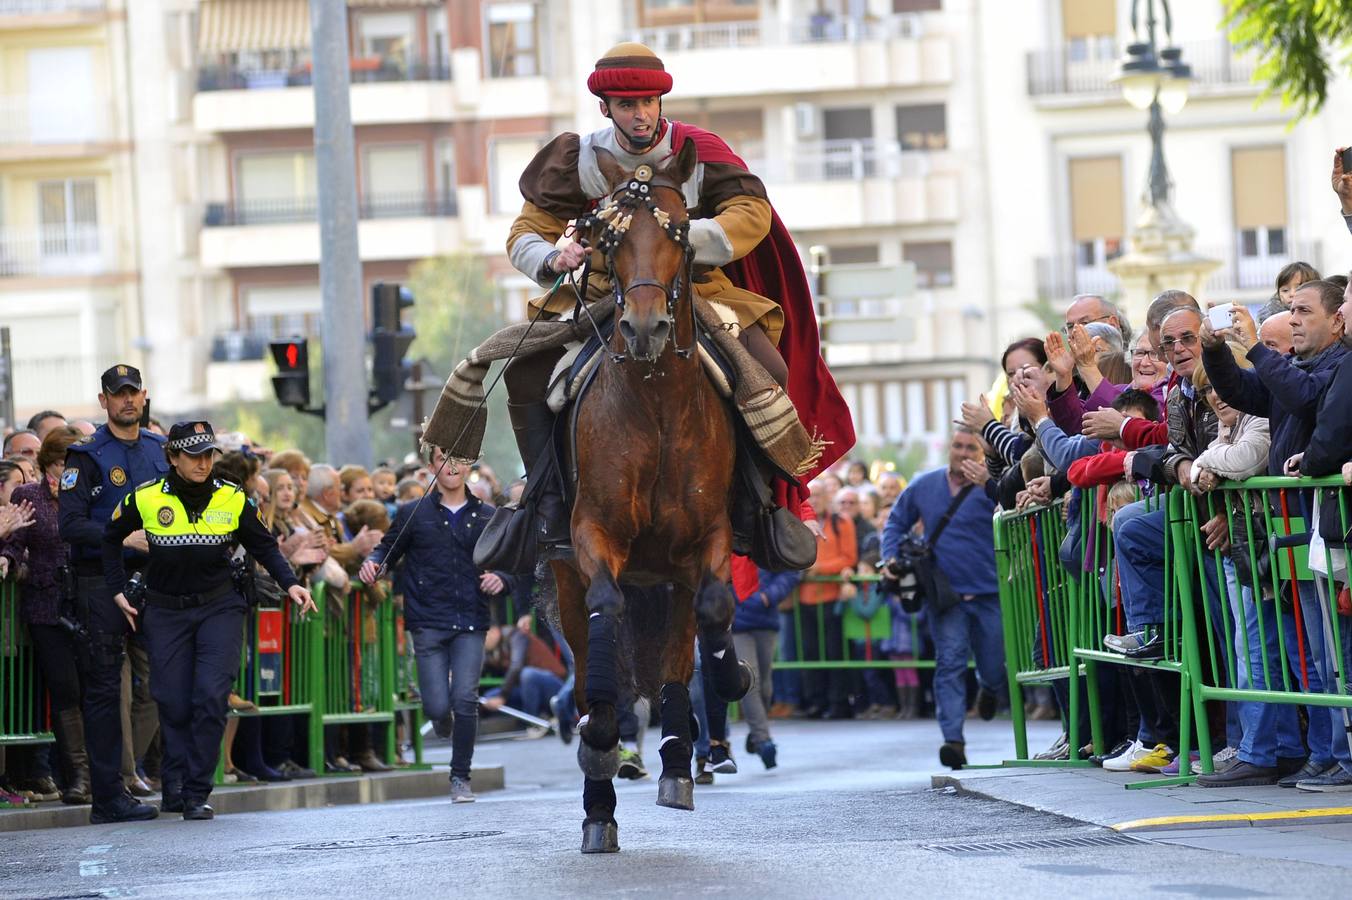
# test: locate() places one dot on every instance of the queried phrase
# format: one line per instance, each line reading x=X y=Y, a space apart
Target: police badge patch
x=117 y=476
x=68 y=479
x=165 y=516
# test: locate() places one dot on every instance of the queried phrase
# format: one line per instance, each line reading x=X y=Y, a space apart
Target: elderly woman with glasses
x=1090 y=373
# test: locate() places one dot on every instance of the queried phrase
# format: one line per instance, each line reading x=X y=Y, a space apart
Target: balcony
x=822 y=54
x=59 y=381
x=1084 y=71
x=1063 y=276
x=284 y=232
x=846 y=184
x=56 y=250
x=292 y=68
x=29 y=129
x=20 y=14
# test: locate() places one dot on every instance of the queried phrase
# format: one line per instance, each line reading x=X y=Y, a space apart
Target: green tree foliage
x=1299 y=43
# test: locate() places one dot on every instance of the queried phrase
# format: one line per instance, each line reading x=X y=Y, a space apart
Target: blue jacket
x=966 y=549
x=438 y=578
x=1282 y=389
x=100 y=471
x=761 y=610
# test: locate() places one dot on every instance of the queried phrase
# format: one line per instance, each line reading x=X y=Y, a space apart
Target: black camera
x=135 y=591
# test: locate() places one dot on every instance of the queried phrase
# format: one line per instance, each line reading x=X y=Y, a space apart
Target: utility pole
x=347 y=434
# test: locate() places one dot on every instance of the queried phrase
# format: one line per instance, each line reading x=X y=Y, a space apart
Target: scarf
x=194 y=495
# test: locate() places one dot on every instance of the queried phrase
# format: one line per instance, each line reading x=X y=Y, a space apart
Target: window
x=441 y=41
x=911 y=6
x=62 y=103
x=743 y=129
x=445 y=175
x=689 y=12
x=922 y=127
x=847 y=150
x=68 y=217
x=394 y=181
x=1096 y=210
x=388 y=36
x=847 y=123
x=1088 y=20
x=513 y=40
x=1258 y=183
x=508 y=159
x=933 y=262
x=282 y=311
x=275 y=187
x=852 y=254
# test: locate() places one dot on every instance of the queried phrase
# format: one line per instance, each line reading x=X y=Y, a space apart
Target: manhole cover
x=396 y=840
x=1065 y=843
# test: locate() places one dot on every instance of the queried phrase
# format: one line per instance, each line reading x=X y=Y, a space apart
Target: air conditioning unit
x=806 y=120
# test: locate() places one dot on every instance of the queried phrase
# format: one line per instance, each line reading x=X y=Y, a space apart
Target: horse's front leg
x=714 y=609
x=600 y=561
x=675 y=788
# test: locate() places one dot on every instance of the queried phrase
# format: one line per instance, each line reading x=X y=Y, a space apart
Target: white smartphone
x=1219 y=316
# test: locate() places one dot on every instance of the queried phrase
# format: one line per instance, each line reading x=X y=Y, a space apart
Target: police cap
x=192 y=437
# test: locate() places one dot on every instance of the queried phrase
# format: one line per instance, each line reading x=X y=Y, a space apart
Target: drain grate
x=1065 y=843
x=396 y=840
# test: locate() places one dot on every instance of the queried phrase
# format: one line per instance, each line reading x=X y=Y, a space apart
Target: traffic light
x=390 y=340
x=291 y=384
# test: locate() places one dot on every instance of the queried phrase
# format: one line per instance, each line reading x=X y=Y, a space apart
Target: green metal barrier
x=866 y=630
x=1039 y=601
x=24 y=717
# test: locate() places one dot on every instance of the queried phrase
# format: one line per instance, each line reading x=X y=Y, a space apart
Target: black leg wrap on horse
x=602 y=663
x=600 y=834
x=730 y=678
x=676 y=789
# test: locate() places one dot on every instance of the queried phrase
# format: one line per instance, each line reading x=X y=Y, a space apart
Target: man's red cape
x=774 y=270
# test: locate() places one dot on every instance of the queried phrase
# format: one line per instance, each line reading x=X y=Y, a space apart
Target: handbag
x=768 y=534
x=922 y=581
x=510 y=541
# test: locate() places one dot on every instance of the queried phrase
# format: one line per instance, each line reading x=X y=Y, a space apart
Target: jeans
x=970 y=628
x=1270 y=730
x=1326 y=736
x=757 y=649
x=531 y=694
x=449 y=663
x=697 y=698
x=1140 y=538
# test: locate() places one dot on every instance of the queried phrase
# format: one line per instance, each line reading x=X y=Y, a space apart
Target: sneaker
x=44 y=790
x=953 y=755
x=986 y=701
x=1060 y=749
x=295 y=770
x=1240 y=774
x=1310 y=770
x=1224 y=759
x=460 y=790
x=1172 y=769
x=767 y=752
x=631 y=765
x=702 y=773
x=1118 y=749
x=720 y=759
x=1335 y=781
x=1123 y=761
x=1145 y=644
x=1155 y=759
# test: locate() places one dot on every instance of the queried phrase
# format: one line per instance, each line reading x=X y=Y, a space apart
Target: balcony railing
x=1089 y=68
x=48 y=7
x=1063 y=276
x=418 y=204
x=55 y=382
x=845 y=161
x=292 y=68
x=771 y=33
x=24 y=122
x=55 y=250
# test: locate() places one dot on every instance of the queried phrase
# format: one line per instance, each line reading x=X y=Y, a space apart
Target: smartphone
x=1347 y=161
x=1219 y=316
x=145 y=415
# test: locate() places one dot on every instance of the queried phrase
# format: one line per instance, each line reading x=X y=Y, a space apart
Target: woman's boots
x=71 y=725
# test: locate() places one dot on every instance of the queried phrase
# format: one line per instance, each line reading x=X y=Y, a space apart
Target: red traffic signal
x=291 y=384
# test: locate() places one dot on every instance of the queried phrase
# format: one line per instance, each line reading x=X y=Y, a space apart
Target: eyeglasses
x=1187 y=339
x=1145 y=354
x=1065 y=329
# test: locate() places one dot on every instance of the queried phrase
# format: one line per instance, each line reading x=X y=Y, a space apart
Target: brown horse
x=654 y=460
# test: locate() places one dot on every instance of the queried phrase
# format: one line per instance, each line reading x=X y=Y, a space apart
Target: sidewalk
x=1274 y=822
x=308 y=794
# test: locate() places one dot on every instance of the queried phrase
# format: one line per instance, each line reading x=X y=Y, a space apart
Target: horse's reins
x=614 y=216
x=445 y=458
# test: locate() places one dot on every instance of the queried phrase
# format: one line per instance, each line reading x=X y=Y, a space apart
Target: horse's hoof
x=598 y=765
x=676 y=792
x=748 y=679
x=600 y=837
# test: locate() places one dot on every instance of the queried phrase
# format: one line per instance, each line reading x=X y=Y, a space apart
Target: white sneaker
x=1223 y=760
x=1123 y=761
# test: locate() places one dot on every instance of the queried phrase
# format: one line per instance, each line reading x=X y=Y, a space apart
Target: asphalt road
x=847 y=814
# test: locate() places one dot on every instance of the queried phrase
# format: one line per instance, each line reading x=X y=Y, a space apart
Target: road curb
x=1328 y=815
x=309 y=794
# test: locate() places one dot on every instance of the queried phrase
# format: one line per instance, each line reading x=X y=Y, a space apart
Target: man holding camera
x=955 y=514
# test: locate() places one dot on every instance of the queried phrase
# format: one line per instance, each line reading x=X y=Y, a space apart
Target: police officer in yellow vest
x=193 y=616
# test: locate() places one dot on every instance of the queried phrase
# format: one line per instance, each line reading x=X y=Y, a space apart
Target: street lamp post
x=1156 y=78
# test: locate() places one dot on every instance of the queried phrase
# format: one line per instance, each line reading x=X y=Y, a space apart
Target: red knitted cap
x=629 y=70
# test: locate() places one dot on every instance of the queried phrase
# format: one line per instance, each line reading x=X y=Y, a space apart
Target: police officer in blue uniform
x=193 y=614
x=100 y=471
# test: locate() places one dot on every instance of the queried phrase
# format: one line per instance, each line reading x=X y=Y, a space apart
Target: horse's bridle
x=614 y=216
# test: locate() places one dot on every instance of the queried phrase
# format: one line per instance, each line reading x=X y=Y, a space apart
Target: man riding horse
x=742 y=253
